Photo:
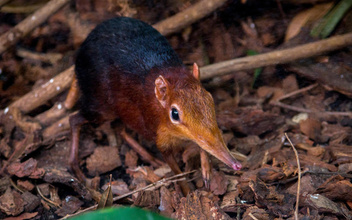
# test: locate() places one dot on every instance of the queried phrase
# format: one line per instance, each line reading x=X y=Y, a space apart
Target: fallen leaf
x=218 y=183
x=290 y=84
x=62 y=176
x=23 y=216
x=166 y=206
x=149 y=199
x=312 y=128
x=104 y=159
x=322 y=204
x=31 y=201
x=337 y=190
x=271 y=174
x=11 y=202
x=198 y=207
x=118 y=187
x=106 y=198
x=305 y=18
x=256 y=212
x=69 y=205
x=25 y=184
x=27 y=168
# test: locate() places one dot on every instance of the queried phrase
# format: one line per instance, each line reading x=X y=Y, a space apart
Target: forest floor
x=259 y=109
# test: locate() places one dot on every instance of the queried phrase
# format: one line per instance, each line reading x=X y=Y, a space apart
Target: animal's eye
x=174 y=114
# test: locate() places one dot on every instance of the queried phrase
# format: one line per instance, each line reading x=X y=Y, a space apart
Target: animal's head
x=191 y=116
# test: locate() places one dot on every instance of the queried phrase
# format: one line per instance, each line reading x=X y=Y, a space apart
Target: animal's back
x=128 y=44
x=120 y=50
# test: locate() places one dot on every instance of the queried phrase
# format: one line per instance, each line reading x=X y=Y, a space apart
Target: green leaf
x=328 y=23
x=120 y=213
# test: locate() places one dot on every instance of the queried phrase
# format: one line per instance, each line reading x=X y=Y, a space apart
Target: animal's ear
x=196 y=72
x=161 y=88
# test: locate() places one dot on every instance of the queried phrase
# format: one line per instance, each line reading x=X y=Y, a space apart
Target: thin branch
x=43 y=93
x=299 y=91
x=46 y=199
x=277 y=57
x=12 y=36
x=4 y=2
x=304 y=110
x=299 y=177
x=190 y=15
x=252 y=216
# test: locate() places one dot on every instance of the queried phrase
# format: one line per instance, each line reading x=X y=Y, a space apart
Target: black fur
x=118 y=49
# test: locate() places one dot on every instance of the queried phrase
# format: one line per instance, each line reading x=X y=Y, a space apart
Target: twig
x=41 y=94
x=46 y=199
x=3 y=2
x=155 y=185
x=310 y=172
x=21 y=9
x=188 y=16
x=299 y=177
x=277 y=57
x=304 y=110
x=52 y=58
x=299 y=91
x=252 y=216
x=57 y=127
x=12 y=36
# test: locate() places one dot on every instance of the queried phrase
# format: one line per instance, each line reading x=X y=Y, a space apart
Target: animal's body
x=126 y=69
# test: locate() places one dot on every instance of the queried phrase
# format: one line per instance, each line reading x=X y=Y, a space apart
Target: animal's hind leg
x=76 y=121
x=146 y=156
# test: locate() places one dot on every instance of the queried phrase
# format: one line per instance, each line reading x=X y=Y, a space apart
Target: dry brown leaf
x=166 y=206
x=305 y=18
x=11 y=202
x=25 y=184
x=23 y=216
x=106 y=198
x=310 y=127
x=31 y=201
x=70 y=205
x=28 y=168
x=273 y=93
x=290 y=84
x=118 y=187
x=104 y=159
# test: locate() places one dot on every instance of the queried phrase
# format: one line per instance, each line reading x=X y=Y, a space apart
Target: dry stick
x=59 y=126
x=277 y=57
x=188 y=16
x=304 y=110
x=299 y=91
x=12 y=36
x=3 y=2
x=41 y=94
x=252 y=216
x=155 y=185
x=299 y=109
x=299 y=177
